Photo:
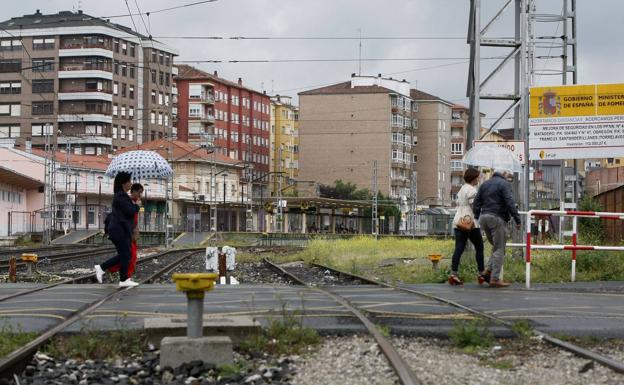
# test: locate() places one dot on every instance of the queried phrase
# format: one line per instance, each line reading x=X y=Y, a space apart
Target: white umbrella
x=492 y=156
x=141 y=164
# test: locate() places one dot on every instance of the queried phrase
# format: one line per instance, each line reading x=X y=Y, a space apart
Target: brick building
x=213 y=111
x=89 y=83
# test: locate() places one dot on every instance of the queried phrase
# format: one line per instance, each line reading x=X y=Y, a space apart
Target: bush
x=590 y=229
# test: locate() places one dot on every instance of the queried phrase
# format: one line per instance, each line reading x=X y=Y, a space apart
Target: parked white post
x=528 y=250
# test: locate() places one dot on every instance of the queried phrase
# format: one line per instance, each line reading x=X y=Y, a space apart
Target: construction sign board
x=576 y=122
x=515 y=146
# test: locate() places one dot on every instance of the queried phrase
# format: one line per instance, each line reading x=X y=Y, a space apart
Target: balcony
x=86 y=140
x=202 y=118
x=77 y=71
x=85 y=51
x=203 y=98
x=77 y=94
x=85 y=116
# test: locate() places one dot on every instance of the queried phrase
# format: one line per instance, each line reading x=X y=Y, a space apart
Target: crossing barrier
x=574 y=247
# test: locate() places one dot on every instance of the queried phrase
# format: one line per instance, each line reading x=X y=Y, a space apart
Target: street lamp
x=100 y=177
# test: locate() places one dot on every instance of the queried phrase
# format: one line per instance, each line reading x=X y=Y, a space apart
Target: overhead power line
x=130 y=14
x=314 y=37
x=323 y=60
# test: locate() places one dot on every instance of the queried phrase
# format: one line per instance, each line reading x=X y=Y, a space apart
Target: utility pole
x=375 y=217
x=49 y=185
x=413 y=195
x=279 y=225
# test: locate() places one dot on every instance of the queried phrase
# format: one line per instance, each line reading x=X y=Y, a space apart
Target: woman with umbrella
x=120 y=229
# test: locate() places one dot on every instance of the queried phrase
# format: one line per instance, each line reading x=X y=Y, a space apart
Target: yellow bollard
x=435 y=260
x=31 y=260
x=195 y=285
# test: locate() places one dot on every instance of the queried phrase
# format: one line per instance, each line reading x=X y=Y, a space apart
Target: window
x=11 y=87
x=124 y=47
x=115 y=88
x=43 y=65
x=131 y=134
x=10 y=45
x=132 y=49
x=41 y=129
x=43 y=43
x=131 y=112
x=116 y=45
x=123 y=133
x=42 y=86
x=42 y=108
x=114 y=132
x=153 y=96
x=194 y=110
x=195 y=91
x=160 y=118
x=94 y=85
x=153 y=56
x=161 y=57
x=131 y=92
x=93 y=129
x=395 y=120
x=89 y=150
x=115 y=109
x=161 y=78
x=457 y=148
x=11 y=65
x=153 y=118
x=161 y=99
x=124 y=69
x=132 y=71
x=167 y=81
x=10 y=109
x=154 y=76
x=116 y=67
x=123 y=90
x=167 y=59
x=9 y=131
x=123 y=111
x=166 y=120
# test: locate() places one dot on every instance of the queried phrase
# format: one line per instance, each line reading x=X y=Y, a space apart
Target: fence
x=574 y=247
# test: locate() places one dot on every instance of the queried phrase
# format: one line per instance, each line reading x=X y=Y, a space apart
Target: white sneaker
x=99 y=273
x=128 y=283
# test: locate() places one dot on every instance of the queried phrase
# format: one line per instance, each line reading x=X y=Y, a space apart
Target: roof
x=15 y=178
x=94 y=162
x=419 y=95
x=64 y=19
x=345 y=88
x=180 y=151
x=187 y=72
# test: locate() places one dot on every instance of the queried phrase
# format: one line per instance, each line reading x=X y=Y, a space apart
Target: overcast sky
x=601 y=53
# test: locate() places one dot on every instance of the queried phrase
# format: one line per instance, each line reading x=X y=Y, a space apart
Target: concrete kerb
x=174 y=351
x=238 y=328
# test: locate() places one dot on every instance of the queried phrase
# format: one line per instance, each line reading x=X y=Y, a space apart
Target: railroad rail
x=402 y=369
x=575 y=349
x=12 y=361
x=63 y=257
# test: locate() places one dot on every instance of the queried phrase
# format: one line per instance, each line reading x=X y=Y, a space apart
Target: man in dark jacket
x=494 y=206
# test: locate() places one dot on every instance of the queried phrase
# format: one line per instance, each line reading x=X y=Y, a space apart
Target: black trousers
x=461 y=238
x=122 y=244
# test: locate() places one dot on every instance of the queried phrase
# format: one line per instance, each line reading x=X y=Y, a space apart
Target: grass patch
x=283 y=336
x=471 y=335
x=12 y=338
x=385 y=330
x=523 y=329
x=364 y=254
x=230 y=370
x=96 y=345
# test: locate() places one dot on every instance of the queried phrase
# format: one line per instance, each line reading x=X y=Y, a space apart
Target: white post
x=574 y=242
x=528 y=250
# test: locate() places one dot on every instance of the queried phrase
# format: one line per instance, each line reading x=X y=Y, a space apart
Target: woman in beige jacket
x=464 y=214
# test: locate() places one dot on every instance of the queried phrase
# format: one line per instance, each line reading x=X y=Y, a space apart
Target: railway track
x=401 y=368
x=570 y=347
x=16 y=359
x=62 y=257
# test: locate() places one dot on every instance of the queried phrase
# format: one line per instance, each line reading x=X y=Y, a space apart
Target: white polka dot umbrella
x=141 y=164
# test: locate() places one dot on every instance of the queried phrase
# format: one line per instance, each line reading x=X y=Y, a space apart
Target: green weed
x=385 y=330
x=471 y=335
x=227 y=370
x=97 y=345
x=12 y=338
x=284 y=335
x=522 y=328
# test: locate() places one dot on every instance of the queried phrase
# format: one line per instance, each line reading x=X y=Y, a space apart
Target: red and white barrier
x=574 y=247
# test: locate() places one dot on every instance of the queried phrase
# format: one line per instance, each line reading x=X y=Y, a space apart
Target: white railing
x=574 y=247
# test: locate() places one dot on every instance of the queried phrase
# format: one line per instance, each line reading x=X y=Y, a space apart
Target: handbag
x=465 y=223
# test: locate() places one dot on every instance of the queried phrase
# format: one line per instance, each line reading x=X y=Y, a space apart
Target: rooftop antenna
x=360 y=54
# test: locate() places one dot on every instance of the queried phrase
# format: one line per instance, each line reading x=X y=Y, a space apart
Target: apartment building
x=284 y=144
x=226 y=115
x=344 y=128
x=459 y=126
x=432 y=145
x=92 y=85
